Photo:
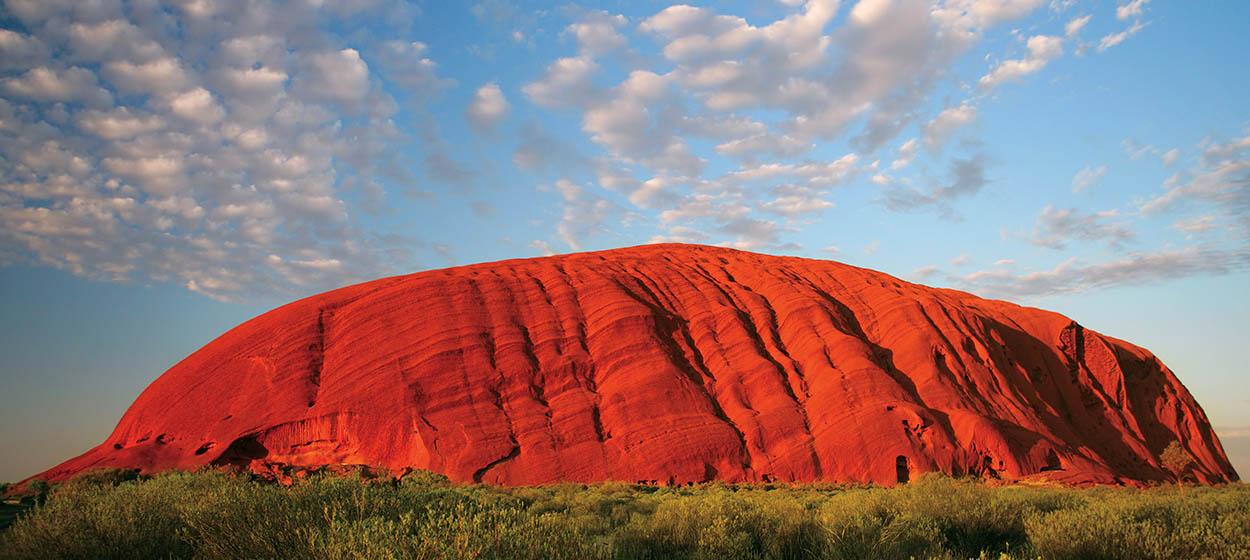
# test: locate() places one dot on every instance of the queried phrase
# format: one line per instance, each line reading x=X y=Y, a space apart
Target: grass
x=216 y=515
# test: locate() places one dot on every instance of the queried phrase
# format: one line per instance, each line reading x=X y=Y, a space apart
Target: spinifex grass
x=215 y=515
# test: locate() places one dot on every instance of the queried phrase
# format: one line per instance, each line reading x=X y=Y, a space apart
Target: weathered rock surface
x=667 y=363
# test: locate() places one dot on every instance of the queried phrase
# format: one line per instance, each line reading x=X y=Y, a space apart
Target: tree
x=1177 y=460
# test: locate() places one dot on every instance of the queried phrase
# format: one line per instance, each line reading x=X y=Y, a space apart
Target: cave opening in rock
x=242 y=451
x=902 y=470
x=1052 y=462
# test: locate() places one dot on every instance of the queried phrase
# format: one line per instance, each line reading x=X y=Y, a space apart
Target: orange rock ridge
x=666 y=363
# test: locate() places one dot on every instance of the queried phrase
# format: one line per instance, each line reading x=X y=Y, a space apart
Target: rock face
x=666 y=363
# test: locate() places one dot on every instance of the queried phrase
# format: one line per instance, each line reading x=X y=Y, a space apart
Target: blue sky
x=170 y=169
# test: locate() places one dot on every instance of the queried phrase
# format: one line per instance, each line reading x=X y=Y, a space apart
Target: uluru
x=666 y=364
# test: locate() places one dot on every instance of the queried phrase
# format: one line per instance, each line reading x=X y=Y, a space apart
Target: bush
x=212 y=515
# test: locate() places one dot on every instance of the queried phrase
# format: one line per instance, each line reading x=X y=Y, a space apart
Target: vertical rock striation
x=667 y=363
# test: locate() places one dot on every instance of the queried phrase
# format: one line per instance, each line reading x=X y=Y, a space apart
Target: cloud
x=1195 y=225
x=1131 y=9
x=926 y=272
x=906 y=152
x=1087 y=177
x=487 y=108
x=1056 y=227
x=967 y=177
x=1114 y=39
x=406 y=63
x=339 y=75
x=565 y=84
x=637 y=123
x=1135 y=268
x=1075 y=25
x=945 y=123
x=764 y=94
x=45 y=84
x=1221 y=178
x=752 y=148
x=196 y=105
x=539 y=151
x=20 y=51
x=794 y=200
x=139 y=154
x=750 y=233
x=583 y=214
x=1042 y=49
x=119 y=123
x=1169 y=157
x=598 y=32
x=543 y=247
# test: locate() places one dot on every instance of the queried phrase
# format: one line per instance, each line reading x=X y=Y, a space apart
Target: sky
x=171 y=169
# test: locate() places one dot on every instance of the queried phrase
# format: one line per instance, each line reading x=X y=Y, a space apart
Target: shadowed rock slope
x=666 y=363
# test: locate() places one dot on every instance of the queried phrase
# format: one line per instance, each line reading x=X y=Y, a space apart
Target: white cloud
x=339 y=75
x=796 y=205
x=1056 y=227
x=406 y=63
x=1042 y=49
x=751 y=148
x=598 y=32
x=945 y=123
x=1131 y=9
x=119 y=123
x=1195 y=225
x=206 y=169
x=543 y=248
x=1073 y=275
x=487 y=108
x=1075 y=25
x=906 y=152
x=583 y=214
x=566 y=83
x=196 y=105
x=800 y=78
x=1169 y=157
x=49 y=84
x=1221 y=178
x=1087 y=177
x=162 y=76
x=1114 y=39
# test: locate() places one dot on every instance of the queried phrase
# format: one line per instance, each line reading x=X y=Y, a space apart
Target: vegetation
x=1177 y=460
x=216 y=515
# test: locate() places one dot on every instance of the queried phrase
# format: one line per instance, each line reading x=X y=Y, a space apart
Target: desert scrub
x=211 y=515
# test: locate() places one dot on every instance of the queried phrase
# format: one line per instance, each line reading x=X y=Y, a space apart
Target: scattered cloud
x=945 y=123
x=1075 y=25
x=138 y=154
x=487 y=108
x=1192 y=226
x=1056 y=227
x=1074 y=275
x=1220 y=179
x=1114 y=39
x=967 y=177
x=598 y=32
x=1087 y=177
x=1042 y=49
x=1132 y=9
x=583 y=213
